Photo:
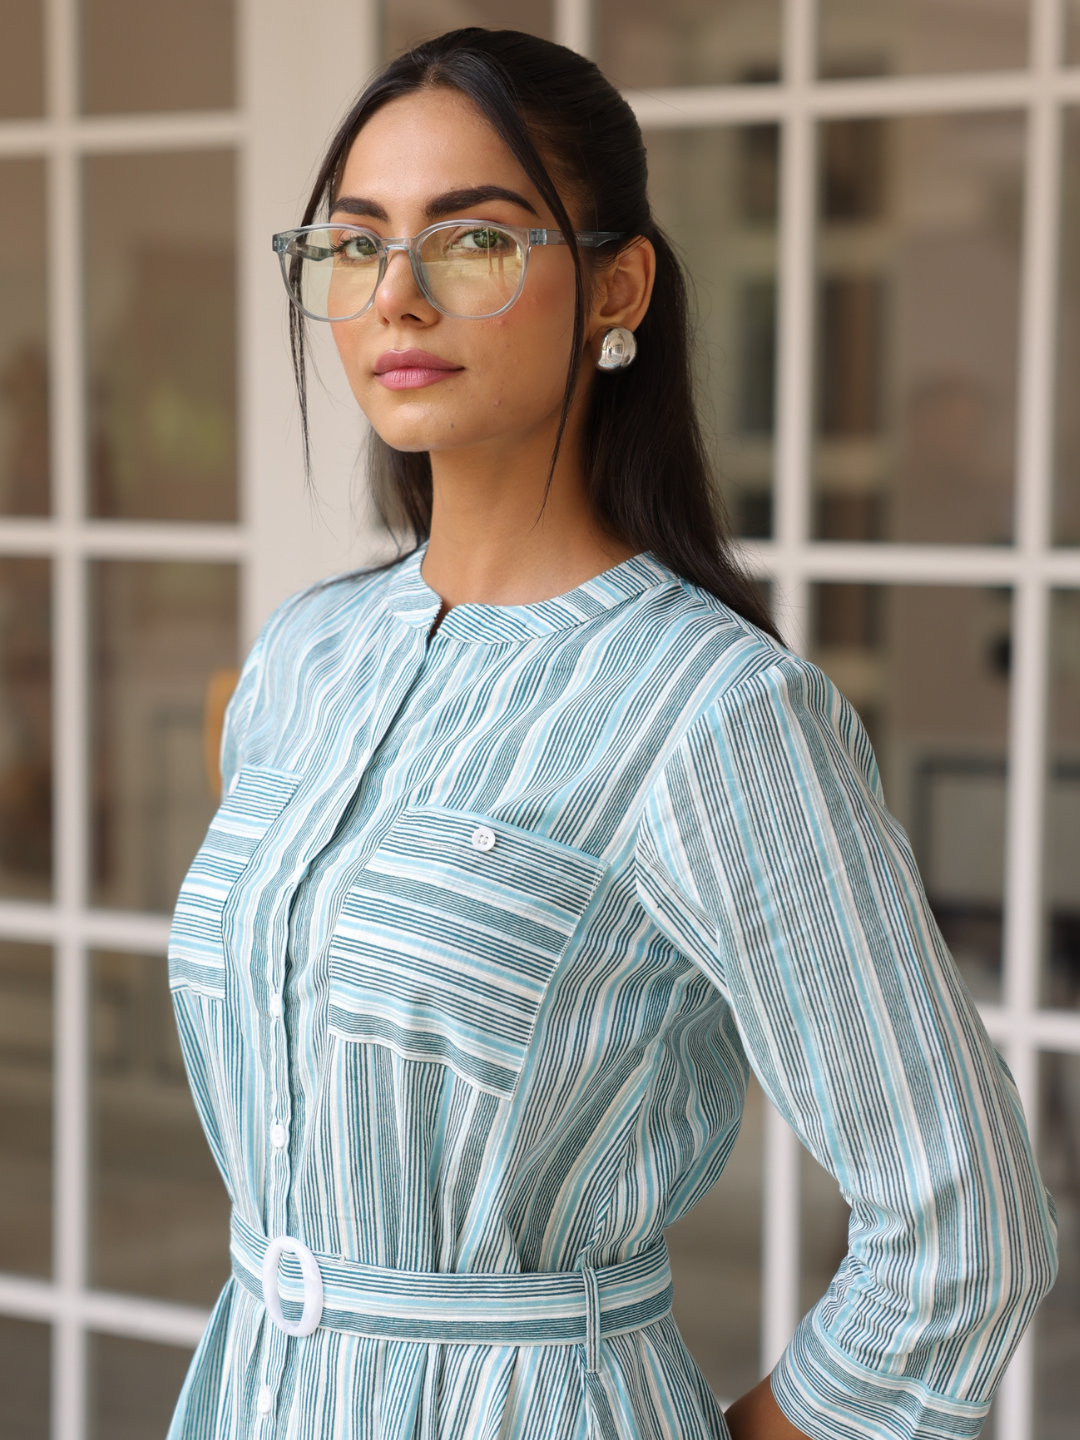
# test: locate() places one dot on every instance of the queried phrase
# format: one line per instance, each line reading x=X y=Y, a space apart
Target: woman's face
x=431 y=156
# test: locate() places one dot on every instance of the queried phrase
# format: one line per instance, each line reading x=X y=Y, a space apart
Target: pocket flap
x=448 y=939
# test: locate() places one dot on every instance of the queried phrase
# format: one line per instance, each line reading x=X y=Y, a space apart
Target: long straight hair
x=647 y=469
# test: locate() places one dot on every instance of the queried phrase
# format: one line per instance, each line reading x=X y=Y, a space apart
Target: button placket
x=274 y=1344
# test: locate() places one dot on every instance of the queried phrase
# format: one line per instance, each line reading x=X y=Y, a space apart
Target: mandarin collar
x=414 y=602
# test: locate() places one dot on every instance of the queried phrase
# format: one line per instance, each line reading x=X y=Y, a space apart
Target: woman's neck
x=500 y=535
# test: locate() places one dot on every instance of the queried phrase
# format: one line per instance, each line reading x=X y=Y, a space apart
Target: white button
x=278 y=1135
x=483 y=838
x=265 y=1403
x=274 y=1005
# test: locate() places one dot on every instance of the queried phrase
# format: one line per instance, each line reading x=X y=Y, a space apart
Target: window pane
x=1061 y=871
x=918 y=317
x=687 y=42
x=921 y=37
x=161 y=301
x=406 y=22
x=26 y=1049
x=161 y=1213
x=24 y=381
x=134 y=1387
x=152 y=55
x=22 y=57
x=927 y=667
x=716 y=1265
x=1057 y=1323
x=25 y=729
x=160 y=632
x=1067 y=498
x=715 y=192
x=24 y=1380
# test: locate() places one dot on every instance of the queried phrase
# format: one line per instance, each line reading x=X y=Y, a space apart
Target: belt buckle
x=313 y=1286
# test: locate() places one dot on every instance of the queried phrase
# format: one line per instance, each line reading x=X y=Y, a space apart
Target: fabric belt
x=307 y=1289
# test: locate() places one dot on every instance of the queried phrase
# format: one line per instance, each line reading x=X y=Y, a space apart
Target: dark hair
x=647 y=470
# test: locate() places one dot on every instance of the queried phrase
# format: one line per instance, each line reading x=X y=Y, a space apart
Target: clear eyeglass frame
x=286 y=245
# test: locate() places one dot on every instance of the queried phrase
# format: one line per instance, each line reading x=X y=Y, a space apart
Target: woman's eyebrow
x=455 y=200
x=358 y=205
x=447 y=204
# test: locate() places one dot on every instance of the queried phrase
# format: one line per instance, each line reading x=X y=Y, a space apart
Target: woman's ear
x=623 y=289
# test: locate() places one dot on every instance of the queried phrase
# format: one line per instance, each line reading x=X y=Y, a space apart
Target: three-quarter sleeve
x=767 y=855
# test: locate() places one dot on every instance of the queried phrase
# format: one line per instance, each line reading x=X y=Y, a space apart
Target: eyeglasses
x=470 y=269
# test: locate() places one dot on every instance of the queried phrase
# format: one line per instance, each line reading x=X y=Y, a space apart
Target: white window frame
x=294 y=81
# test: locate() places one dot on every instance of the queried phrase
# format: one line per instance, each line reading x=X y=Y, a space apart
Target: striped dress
x=470 y=973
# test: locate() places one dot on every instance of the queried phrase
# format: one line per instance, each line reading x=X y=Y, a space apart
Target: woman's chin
x=441 y=435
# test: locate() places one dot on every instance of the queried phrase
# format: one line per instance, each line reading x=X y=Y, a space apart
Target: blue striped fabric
x=470 y=974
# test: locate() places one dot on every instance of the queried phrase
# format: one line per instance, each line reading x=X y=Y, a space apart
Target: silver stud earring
x=617 y=349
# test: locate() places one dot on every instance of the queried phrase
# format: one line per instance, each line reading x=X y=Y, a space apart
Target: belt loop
x=592 y=1322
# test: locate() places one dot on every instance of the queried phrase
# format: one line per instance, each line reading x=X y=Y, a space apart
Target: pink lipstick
x=412 y=369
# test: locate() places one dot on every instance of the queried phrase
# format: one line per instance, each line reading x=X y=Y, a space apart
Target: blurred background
x=880 y=203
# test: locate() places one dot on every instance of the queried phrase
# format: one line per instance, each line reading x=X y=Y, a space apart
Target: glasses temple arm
x=588 y=238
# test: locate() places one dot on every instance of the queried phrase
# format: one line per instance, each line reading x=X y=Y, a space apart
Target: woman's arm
x=757 y=1416
x=767 y=855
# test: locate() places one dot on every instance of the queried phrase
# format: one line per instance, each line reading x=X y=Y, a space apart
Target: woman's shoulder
x=710 y=633
x=750 y=677
x=327 y=607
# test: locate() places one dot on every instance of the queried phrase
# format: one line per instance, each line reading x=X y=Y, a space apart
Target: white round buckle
x=313 y=1289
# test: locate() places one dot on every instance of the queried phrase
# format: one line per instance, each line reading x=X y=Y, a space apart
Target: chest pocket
x=446 y=943
x=196 y=946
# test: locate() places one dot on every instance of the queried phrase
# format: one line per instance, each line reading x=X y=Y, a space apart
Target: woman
x=535 y=842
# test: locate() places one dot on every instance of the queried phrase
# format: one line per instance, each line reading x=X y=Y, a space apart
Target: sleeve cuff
x=829 y=1396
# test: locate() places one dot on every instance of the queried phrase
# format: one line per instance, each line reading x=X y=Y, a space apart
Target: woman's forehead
x=428 y=143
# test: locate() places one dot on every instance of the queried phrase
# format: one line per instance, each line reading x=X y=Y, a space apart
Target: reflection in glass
x=160 y=632
x=25 y=729
x=823 y=1230
x=1057 y=1322
x=406 y=22
x=140 y=56
x=1061 y=858
x=687 y=42
x=24 y=379
x=134 y=1387
x=26 y=1049
x=22 y=60
x=927 y=668
x=921 y=37
x=1067 y=489
x=918 y=303
x=24 y=1380
x=161 y=335
x=716 y=1265
x=160 y=1210
x=715 y=193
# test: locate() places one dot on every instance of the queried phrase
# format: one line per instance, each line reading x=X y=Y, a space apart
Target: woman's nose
x=398 y=296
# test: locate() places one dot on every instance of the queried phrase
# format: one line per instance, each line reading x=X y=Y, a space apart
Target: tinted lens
x=472 y=271
x=333 y=272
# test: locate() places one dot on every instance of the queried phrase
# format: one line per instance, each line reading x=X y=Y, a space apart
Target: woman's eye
x=357 y=247
x=484 y=240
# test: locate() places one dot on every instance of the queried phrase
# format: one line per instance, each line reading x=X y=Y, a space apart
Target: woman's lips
x=412 y=369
